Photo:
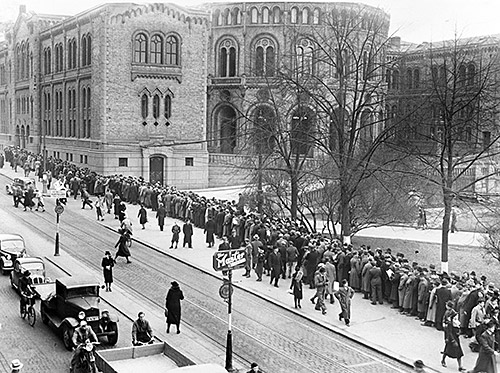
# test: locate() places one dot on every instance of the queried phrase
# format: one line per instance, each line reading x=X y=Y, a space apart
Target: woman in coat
x=160 y=215
x=107 y=269
x=173 y=306
x=365 y=279
x=354 y=275
x=143 y=216
x=122 y=246
x=451 y=328
x=344 y=295
x=296 y=286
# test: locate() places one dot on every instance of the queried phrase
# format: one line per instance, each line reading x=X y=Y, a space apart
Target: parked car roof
x=30 y=259
x=77 y=281
x=10 y=236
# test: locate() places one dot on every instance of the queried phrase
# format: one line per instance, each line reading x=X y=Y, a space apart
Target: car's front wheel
x=67 y=334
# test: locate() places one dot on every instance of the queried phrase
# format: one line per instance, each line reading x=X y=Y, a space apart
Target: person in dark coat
x=122 y=246
x=275 y=265
x=210 y=232
x=451 y=328
x=375 y=277
x=175 y=235
x=296 y=286
x=143 y=216
x=486 y=361
x=160 y=215
x=443 y=295
x=173 y=306
x=107 y=265
x=344 y=295
x=187 y=229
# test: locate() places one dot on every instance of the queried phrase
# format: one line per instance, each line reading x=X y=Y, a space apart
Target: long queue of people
x=282 y=248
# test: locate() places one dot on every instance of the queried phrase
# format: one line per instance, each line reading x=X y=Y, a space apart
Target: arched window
x=471 y=74
x=140 y=48
x=216 y=17
x=409 y=79
x=220 y=19
x=89 y=114
x=462 y=75
x=74 y=54
x=301 y=131
x=316 y=16
x=227 y=120
x=89 y=49
x=276 y=15
x=156 y=50
x=22 y=64
x=144 y=106
x=293 y=15
x=265 y=15
x=305 y=16
x=84 y=50
x=254 y=15
x=305 y=57
x=237 y=16
x=84 y=113
x=265 y=57
x=229 y=17
x=264 y=127
x=395 y=79
x=388 y=78
x=156 y=106
x=227 y=58
x=168 y=107
x=173 y=53
x=416 y=79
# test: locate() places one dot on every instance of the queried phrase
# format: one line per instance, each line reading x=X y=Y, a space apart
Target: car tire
x=67 y=336
x=4 y=272
x=113 y=339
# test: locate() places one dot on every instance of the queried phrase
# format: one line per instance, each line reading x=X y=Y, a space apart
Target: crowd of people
x=283 y=248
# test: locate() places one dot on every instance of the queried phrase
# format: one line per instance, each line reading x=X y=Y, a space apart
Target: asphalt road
x=281 y=341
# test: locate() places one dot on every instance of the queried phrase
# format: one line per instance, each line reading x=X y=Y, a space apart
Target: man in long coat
x=486 y=361
x=187 y=229
x=443 y=295
x=210 y=231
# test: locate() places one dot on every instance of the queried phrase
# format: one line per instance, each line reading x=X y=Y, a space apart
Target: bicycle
x=30 y=310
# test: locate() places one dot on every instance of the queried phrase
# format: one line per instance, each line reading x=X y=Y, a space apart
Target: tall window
x=84 y=50
x=89 y=49
x=471 y=73
x=156 y=106
x=462 y=75
x=47 y=61
x=416 y=78
x=265 y=15
x=140 y=48
x=305 y=16
x=294 y=15
x=84 y=113
x=276 y=15
x=227 y=58
x=172 y=45
x=168 y=107
x=144 y=106
x=265 y=58
x=70 y=112
x=301 y=131
x=89 y=114
x=316 y=15
x=72 y=61
x=264 y=130
x=409 y=79
x=254 y=15
x=156 y=48
x=305 y=57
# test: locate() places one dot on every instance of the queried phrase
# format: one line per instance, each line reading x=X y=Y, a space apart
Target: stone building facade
x=120 y=89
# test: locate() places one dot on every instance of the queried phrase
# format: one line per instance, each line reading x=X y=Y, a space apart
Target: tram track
x=290 y=342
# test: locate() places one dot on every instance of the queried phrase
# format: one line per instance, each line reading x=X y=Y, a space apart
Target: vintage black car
x=11 y=247
x=71 y=299
x=21 y=183
x=34 y=265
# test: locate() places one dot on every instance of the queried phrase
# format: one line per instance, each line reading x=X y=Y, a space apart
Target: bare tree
x=450 y=131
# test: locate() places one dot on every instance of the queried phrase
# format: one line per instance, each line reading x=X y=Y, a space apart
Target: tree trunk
x=448 y=200
x=294 y=196
x=345 y=216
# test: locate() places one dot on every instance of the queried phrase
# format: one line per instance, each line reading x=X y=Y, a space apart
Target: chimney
x=22 y=8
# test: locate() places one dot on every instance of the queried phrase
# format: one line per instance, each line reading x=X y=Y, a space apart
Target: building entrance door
x=156 y=169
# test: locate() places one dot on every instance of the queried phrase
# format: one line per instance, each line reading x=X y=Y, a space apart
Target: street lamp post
x=59 y=209
x=229 y=340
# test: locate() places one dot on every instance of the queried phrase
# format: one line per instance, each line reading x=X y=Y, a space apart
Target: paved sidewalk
x=378 y=326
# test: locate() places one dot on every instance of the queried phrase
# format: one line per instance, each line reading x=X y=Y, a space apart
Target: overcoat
x=486 y=361
x=173 y=305
x=344 y=295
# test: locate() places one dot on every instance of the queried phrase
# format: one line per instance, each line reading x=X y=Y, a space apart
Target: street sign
x=229 y=259
x=225 y=290
x=59 y=209
x=53 y=193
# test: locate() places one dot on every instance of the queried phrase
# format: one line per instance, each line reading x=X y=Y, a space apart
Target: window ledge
x=156 y=71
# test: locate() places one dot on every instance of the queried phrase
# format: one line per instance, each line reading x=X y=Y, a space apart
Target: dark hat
x=432 y=267
x=254 y=365
x=107 y=253
x=418 y=364
x=174 y=284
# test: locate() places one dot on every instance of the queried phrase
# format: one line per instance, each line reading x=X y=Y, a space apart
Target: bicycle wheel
x=23 y=312
x=32 y=315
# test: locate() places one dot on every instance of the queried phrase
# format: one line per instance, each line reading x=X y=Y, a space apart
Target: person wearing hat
x=107 y=264
x=486 y=361
x=173 y=306
x=80 y=336
x=344 y=296
x=16 y=366
x=451 y=327
x=25 y=289
x=254 y=368
x=418 y=366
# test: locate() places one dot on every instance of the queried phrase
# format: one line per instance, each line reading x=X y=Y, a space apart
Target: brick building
x=120 y=88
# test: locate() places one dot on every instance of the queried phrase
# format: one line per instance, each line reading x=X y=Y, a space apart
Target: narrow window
x=144 y=106
x=259 y=61
x=254 y=15
x=316 y=14
x=156 y=106
x=293 y=15
x=89 y=49
x=84 y=50
x=305 y=16
x=265 y=15
x=232 y=61
x=168 y=107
